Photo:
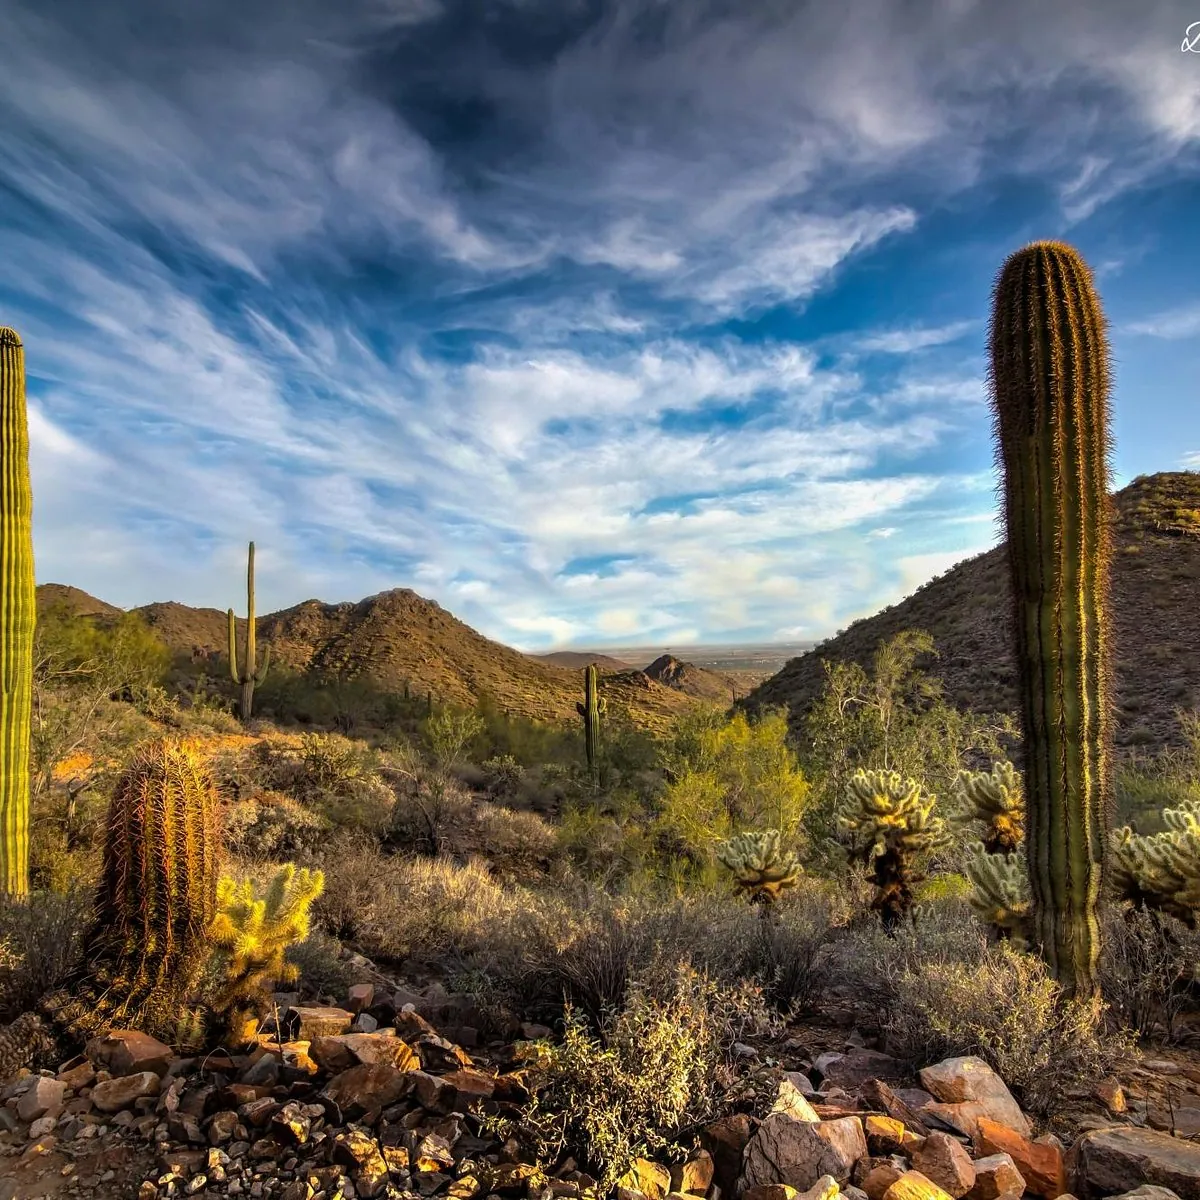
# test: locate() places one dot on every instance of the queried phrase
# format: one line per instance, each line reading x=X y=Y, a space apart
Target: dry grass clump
x=40 y=943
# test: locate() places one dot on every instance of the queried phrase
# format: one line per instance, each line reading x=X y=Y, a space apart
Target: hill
x=578 y=659
x=691 y=680
x=74 y=600
x=1156 y=619
x=398 y=637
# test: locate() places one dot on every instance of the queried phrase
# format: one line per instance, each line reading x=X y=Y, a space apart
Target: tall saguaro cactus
x=248 y=676
x=1050 y=387
x=591 y=709
x=18 y=613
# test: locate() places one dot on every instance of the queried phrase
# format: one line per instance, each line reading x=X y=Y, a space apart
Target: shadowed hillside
x=578 y=659
x=398 y=637
x=1156 y=588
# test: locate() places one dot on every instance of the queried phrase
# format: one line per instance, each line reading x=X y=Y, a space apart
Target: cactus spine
x=759 y=865
x=591 y=708
x=1050 y=384
x=248 y=677
x=18 y=612
x=157 y=894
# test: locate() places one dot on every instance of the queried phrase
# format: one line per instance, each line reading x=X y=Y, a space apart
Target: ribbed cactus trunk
x=248 y=677
x=18 y=613
x=591 y=708
x=1050 y=388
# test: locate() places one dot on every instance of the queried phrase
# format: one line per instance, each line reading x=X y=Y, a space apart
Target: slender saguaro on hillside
x=591 y=709
x=18 y=612
x=1050 y=388
x=248 y=677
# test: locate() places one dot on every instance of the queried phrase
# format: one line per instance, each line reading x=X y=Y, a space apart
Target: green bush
x=272 y=827
x=659 y=1065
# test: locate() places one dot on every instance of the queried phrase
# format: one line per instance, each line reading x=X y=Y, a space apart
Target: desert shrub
x=320 y=965
x=1005 y=1008
x=502 y=775
x=783 y=950
x=273 y=827
x=1148 y=970
x=429 y=815
x=393 y=908
x=660 y=1064
x=448 y=732
x=42 y=939
x=602 y=845
x=518 y=845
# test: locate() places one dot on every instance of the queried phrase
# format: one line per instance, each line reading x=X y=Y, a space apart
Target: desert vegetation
x=658 y=928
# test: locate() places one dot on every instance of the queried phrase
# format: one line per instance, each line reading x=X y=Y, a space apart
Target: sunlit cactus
x=760 y=867
x=249 y=676
x=887 y=822
x=1000 y=892
x=156 y=898
x=1160 y=871
x=1050 y=383
x=18 y=613
x=995 y=799
x=251 y=935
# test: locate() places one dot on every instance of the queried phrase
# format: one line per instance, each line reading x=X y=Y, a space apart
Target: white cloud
x=1175 y=323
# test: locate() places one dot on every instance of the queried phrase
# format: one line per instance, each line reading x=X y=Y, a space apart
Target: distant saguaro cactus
x=1050 y=386
x=18 y=613
x=591 y=708
x=248 y=676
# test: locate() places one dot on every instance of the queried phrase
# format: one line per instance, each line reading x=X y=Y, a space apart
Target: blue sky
x=596 y=321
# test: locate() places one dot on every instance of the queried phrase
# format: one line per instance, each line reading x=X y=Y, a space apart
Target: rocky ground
x=389 y=1095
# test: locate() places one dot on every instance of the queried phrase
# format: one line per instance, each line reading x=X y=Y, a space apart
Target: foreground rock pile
x=370 y=1100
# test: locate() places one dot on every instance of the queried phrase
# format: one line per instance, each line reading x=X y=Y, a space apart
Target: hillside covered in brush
x=967 y=611
x=396 y=638
x=692 y=680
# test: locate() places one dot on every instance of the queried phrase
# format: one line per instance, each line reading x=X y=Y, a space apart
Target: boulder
x=359 y=1151
x=726 y=1140
x=962 y=1117
x=943 y=1160
x=1040 y=1163
x=342 y=1051
x=1122 y=1158
x=367 y=1089
x=955 y=1080
x=852 y=1070
x=112 y=1095
x=129 y=1052
x=996 y=1176
x=798 y=1153
x=42 y=1096
x=789 y=1099
x=306 y=1024
x=912 y=1185
x=695 y=1175
x=646 y=1178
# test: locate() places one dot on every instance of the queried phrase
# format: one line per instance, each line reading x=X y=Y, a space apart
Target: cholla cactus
x=886 y=822
x=1000 y=892
x=995 y=799
x=759 y=865
x=252 y=935
x=1162 y=870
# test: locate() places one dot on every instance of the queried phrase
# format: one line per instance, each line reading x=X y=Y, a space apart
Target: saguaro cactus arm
x=18 y=613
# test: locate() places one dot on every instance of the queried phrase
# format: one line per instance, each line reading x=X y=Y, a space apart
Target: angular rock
x=345 y=1050
x=961 y=1118
x=878 y=1095
x=306 y=1024
x=112 y=1095
x=801 y=1083
x=912 y=1185
x=726 y=1140
x=851 y=1071
x=43 y=1095
x=359 y=1152
x=996 y=1176
x=880 y=1176
x=955 y=1080
x=360 y=996
x=647 y=1178
x=943 y=1160
x=1041 y=1163
x=1122 y=1158
x=789 y=1099
x=798 y=1153
x=695 y=1175
x=770 y=1191
x=471 y=1087
x=367 y=1089
x=885 y=1135
x=1148 y=1191
x=129 y=1052
x=826 y=1188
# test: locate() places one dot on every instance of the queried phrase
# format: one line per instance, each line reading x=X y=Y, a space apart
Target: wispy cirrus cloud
x=1181 y=322
x=417 y=298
